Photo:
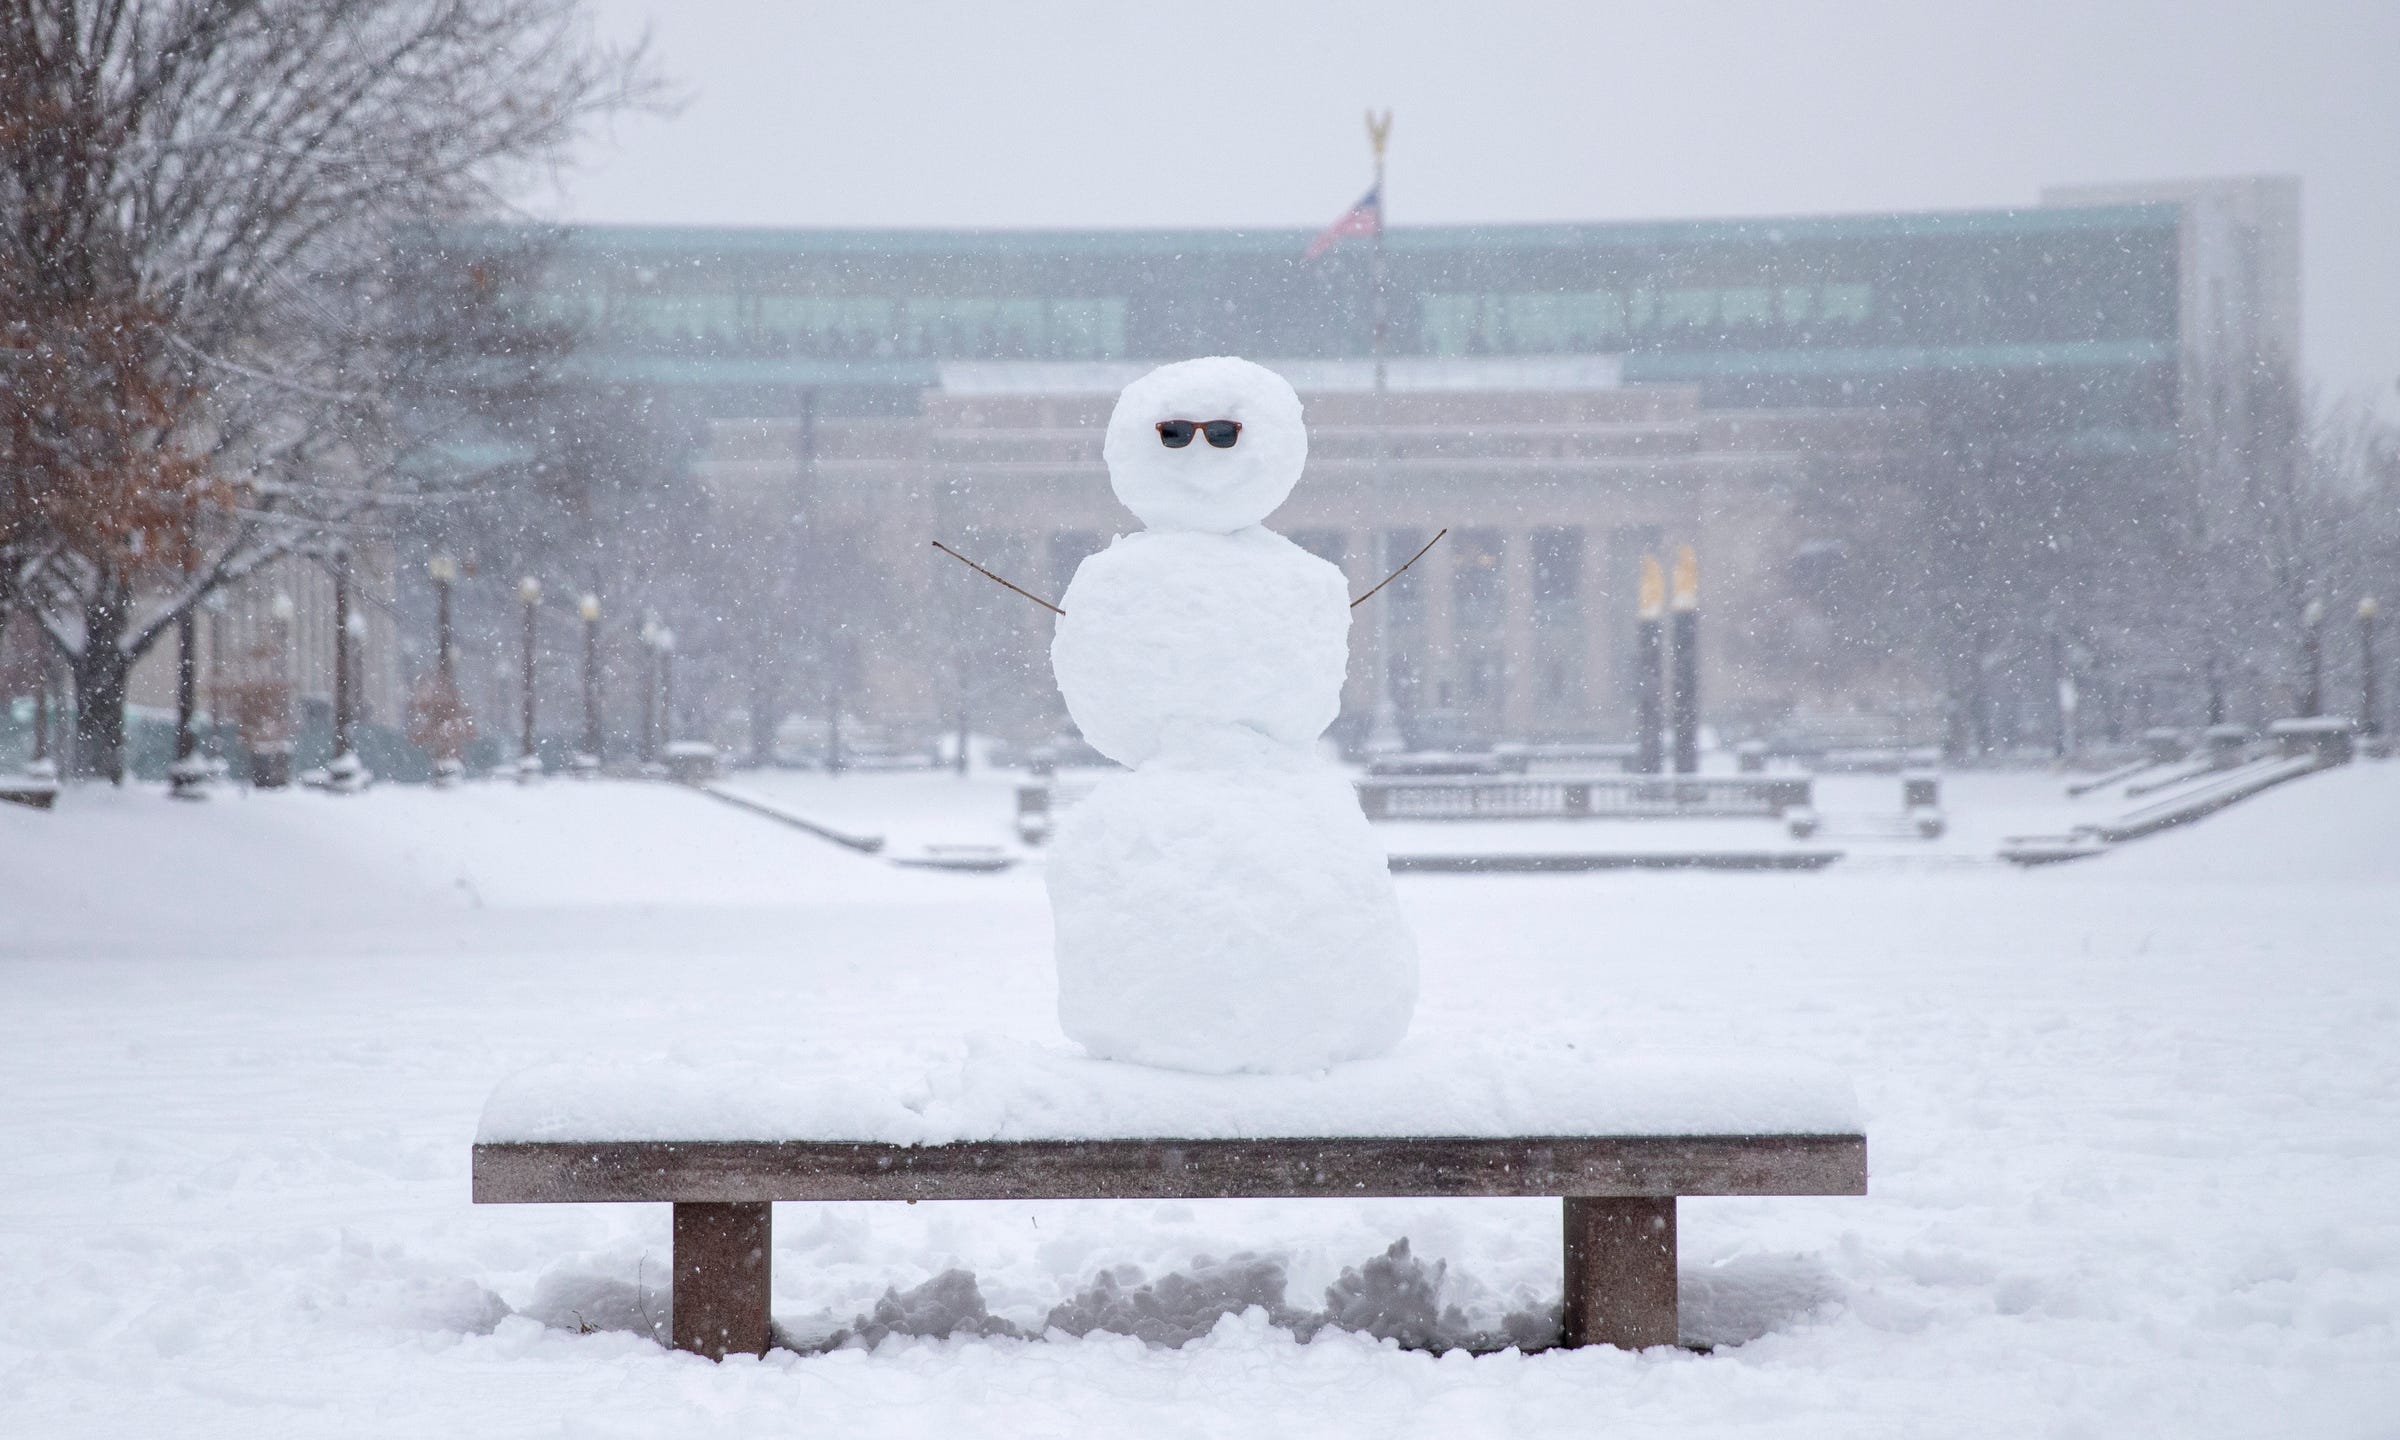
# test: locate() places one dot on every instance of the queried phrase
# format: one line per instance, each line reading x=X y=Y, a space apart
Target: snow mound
x=1393 y=1296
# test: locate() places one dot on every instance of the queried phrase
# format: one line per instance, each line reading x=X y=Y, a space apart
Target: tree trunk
x=101 y=670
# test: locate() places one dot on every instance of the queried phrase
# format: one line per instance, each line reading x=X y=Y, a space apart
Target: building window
x=1587 y=321
x=1478 y=588
x=1557 y=572
x=1069 y=549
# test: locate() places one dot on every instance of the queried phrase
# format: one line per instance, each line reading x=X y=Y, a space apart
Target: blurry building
x=1552 y=478
x=1563 y=398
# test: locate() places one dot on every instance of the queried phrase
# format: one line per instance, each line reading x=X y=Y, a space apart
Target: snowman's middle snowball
x=1243 y=629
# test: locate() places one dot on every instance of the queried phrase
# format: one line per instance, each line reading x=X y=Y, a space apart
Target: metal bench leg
x=1620 y=1271
x=723 y=1269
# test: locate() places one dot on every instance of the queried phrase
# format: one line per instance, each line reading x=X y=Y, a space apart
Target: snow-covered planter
x=2328 y=739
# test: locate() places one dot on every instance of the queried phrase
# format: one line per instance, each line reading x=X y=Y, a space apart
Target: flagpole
x=1383 y=734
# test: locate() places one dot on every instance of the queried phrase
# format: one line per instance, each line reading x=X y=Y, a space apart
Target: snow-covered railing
x=2229 y=788
x=1785 y=798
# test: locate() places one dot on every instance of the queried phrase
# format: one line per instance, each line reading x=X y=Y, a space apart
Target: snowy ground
x=2135 y=1130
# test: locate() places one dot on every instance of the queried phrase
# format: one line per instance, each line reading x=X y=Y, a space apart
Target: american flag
x=1364 y=218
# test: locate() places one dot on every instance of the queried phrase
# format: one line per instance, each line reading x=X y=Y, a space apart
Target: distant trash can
x=1921 y=798
x=1033 y=813
x=691 y=762
x=271 y=767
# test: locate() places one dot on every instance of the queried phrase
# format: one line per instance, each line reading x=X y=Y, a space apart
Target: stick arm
x=988 y=575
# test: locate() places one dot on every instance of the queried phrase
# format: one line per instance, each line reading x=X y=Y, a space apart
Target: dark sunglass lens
x=1222 y=433
x=1175 y=434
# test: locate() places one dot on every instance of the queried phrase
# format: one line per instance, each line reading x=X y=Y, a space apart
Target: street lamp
x=650 y=634
x=666 y=687
x=588 y=762
x=2312 y=659
x=1683 y=702
x=448 y=767
x=215 y=606
x=2370 y=718
x=345 y=775
x=187 y=778
x=1649 y=648
x=529 y=590
x=444 y=572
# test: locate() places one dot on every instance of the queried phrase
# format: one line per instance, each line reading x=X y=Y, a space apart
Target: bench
x=546 y=1140
x=33 y=792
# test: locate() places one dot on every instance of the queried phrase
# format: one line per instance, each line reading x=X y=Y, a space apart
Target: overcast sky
x=882 y=112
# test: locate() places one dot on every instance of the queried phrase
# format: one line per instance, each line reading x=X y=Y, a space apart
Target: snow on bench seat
x=996 y=1089
x=1618 y=1139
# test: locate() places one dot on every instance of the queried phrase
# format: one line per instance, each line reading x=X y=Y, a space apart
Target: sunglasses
x=1175 y=434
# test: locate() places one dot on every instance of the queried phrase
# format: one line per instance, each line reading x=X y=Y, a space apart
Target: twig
x=988 y=575
x=1388 y=579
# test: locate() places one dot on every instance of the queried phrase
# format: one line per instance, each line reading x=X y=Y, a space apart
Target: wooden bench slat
x=750 y=1171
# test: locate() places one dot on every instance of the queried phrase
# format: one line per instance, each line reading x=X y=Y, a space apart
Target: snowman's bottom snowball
x=1228 y=920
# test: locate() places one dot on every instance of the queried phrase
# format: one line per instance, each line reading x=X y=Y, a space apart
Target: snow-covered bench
x=1618 y=1141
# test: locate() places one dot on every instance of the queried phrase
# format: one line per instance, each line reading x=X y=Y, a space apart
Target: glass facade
x=2070 y=313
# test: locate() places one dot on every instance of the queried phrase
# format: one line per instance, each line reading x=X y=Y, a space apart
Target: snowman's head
x=1184 y=479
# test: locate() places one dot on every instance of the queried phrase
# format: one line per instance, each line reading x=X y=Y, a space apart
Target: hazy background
x=963 y=113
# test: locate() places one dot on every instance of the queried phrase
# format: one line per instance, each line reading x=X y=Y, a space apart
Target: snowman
x=1222 y=906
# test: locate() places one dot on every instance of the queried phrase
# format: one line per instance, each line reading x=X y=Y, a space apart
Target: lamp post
x=215 y=605
x=2312 y=659
x=448 y=765
x=649 y=690
x=1649 y=653
x=345 y=775
x=1685 y=707
x=444 y=572
x=666 y=687
x=2370 y=716
x=588 y=762
x=529 y=764
x=2063 y=735
x=187 y=778
x=41 y=767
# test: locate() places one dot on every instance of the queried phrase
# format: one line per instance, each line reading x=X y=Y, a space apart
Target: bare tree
x=219 y=188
